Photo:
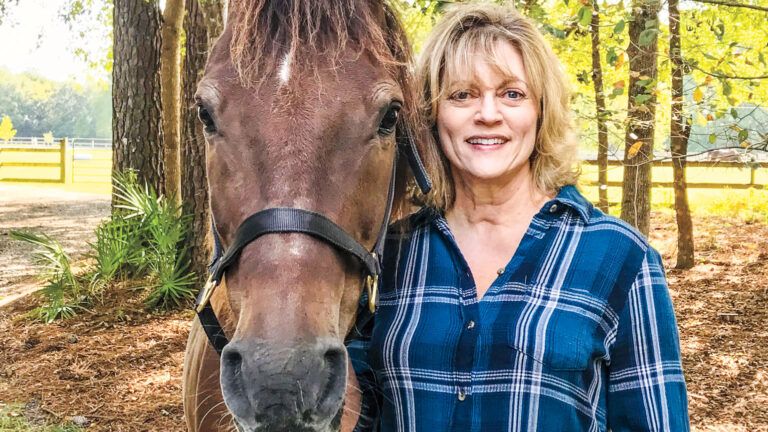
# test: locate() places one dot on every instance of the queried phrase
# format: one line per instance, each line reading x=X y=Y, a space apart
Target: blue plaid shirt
x=576 y=334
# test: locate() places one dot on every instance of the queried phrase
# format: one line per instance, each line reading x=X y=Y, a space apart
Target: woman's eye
x=460 y=95
x=388 y=123
x=206 y=119
x=514 y=95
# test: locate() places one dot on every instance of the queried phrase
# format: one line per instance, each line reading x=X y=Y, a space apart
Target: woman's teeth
x=485 y=141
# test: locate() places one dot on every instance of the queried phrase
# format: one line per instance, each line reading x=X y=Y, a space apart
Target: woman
x=509 y=302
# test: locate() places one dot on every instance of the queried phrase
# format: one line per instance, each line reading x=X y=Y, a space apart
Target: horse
x=305 y=107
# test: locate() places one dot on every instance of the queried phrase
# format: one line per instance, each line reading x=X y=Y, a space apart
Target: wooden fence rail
x=752 y=166
x=64 y=164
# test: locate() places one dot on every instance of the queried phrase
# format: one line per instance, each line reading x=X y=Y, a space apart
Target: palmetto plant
x=162 y=228
x=63 y=291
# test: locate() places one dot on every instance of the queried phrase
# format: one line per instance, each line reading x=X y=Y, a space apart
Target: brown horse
x=300 y=102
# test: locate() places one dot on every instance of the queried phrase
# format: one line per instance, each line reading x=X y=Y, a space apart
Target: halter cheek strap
x=295 y=220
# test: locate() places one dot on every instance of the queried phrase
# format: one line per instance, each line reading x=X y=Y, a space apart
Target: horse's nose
x=283 y=387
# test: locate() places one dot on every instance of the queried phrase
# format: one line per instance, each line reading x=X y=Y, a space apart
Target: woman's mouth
x=483 y=143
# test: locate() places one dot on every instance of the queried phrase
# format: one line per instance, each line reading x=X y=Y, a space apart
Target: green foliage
x=142 y=239
x=161 y=229
x=7 y=132
x=39 y=105
x=63 y=292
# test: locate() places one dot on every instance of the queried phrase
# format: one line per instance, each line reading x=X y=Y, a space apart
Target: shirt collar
x=571 y=197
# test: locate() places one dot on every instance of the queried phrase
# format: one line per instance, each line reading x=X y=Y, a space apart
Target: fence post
x=66 y=161
x=752 y=170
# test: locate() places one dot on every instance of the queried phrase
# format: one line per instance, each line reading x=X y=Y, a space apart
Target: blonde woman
x=509 y=303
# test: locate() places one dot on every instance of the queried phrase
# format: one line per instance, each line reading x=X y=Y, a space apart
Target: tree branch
x=732 y=4
x=719 y=75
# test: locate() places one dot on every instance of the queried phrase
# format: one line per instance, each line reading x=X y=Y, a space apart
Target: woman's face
x=487 y=124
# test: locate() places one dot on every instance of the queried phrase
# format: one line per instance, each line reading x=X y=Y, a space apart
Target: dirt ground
x=120 y=367
x=69 y=217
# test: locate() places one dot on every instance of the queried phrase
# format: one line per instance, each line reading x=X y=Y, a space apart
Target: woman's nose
x=488 y=111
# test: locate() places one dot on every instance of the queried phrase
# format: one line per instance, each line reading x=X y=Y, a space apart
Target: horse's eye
x=387 y=125
x=206 y=119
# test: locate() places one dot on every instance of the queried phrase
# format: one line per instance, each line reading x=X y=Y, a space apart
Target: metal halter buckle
x=205 y=294
x=372 y=286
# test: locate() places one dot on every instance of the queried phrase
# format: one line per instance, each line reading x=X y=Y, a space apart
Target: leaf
x=620 y=61
x=743 y=134
x=708 y=80
x=712 y=138
x=744 y=144
x=698 y=95
x=619 y=84
x=611 y=56
x=585 y=16
x=761 y=58
x=710 y=117
x=642 y=98
x=727 y=88
x=734 y=113
x=634 y=149
x=619 y=27
x=647 y=36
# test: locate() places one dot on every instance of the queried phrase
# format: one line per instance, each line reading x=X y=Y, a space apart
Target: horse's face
x=321 y=140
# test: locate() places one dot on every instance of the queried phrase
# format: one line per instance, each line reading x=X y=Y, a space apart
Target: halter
x=295 y=220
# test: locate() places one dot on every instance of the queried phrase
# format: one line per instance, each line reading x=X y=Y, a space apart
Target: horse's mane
x=264 y=32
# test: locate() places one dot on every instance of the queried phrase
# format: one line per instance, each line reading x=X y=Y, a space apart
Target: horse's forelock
x=266 y=32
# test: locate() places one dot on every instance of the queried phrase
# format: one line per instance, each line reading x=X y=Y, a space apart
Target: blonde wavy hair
x=469 y=29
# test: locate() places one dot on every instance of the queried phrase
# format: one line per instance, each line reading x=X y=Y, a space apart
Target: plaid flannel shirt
x=576 y=334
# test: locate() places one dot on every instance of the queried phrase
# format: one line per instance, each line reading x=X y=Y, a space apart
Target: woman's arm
x=646 y=387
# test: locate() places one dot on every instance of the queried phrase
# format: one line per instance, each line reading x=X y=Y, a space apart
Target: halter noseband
x=295 y=220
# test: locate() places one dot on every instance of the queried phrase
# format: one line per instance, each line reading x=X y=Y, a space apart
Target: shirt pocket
x=563 y=338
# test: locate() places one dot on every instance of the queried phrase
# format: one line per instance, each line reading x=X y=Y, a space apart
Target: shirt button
x=462 y=395
x=470 y=325
x=553 y=208
x=500 y=271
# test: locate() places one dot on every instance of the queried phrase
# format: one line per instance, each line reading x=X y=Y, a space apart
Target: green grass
x=12 y=420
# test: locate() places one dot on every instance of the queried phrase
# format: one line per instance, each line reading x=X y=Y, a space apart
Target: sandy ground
x=69 y=217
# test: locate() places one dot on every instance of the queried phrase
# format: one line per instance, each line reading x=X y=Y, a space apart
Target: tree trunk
x=194 y=184
x=679 y=132
x=602 y=115
x=136 y=113
x=641 y=112
x=170 y=76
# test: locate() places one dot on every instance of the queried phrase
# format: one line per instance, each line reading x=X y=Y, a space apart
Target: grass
x=12 y=419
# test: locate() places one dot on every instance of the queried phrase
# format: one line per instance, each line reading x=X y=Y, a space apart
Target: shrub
x=63 y=291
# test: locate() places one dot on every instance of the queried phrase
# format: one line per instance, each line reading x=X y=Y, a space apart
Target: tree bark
x=602 y=115
x=136 y=111
x=641 y=113
x=198 y=27
x=170 y=77
x=679 y=131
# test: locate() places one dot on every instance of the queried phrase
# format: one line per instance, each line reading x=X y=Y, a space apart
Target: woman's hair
x=468 y=30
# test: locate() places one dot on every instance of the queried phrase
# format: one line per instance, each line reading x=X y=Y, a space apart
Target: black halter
x=286 y=220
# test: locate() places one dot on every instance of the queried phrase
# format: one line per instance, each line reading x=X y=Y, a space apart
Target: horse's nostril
x=336 y=367
x=233 y=361
x=334 y=357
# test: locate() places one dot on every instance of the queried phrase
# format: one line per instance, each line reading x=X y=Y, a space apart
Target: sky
x=36 y=39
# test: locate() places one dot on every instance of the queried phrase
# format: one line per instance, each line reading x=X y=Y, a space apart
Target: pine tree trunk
x=641 y=112
x=170 y=77
x=602 y=115
x=136 y=111
x=194 y=184
x=679 y=131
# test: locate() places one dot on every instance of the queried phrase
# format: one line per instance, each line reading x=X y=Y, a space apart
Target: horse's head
x=300 y=102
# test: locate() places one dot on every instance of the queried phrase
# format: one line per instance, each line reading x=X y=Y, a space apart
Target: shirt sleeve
x=646 y=387
x=358 y=344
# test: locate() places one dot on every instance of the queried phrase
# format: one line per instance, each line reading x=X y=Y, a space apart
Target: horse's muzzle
x=271 y=387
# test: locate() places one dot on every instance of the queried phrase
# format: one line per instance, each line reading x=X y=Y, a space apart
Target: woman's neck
x=498 y=202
